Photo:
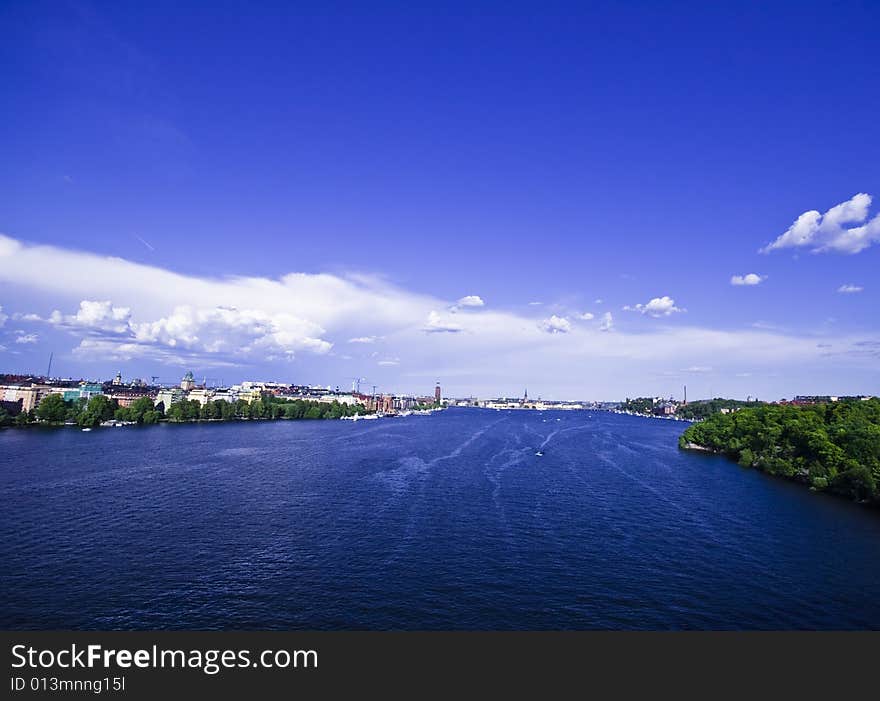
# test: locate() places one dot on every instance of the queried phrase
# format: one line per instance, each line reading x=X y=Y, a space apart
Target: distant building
x=29 y=396
x=665 y=409
x=11 y=408
x=349 y=399
x=202 y=395
x=437 y=394
x=187 y=383
x=225 y=395
x=118 y=379
x=170 y=396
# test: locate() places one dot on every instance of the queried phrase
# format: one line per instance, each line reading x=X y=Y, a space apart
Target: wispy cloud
x=850 y=289
x=364 y=339
x=832 y=231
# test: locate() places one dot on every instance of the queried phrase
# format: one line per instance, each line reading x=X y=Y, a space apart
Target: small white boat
x=87 y=429
x=539 y=454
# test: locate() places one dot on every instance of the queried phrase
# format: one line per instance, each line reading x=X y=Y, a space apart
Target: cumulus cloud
x=556 y=324
x=850 y=289
x=26 y=338
x=658 y=306
x=437 y=324
x=587 y=316
x=208 y=330
x=607 y=322
x=152 y=312
x=471 y=301
x=747 y=279
x=93 y=315
x=833 y=230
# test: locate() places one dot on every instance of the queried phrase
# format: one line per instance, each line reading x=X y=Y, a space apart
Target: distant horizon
x=499 y=199
x=127 y=382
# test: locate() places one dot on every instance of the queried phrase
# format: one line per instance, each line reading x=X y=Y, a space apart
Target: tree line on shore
x=88 y=413
x=833 y=446
x=698 y=409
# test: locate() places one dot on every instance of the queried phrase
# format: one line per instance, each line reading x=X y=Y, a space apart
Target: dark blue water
x=447 y=521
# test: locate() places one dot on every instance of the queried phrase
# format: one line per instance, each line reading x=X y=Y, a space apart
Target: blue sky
x=252 y=186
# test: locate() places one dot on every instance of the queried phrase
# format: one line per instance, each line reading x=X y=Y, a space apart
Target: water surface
x=443 y=521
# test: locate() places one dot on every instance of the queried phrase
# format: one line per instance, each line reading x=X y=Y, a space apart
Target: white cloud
x=831 y=231
x=471 y=301
x=27 y=338
x=748 y=279
x=698 y=369
x=437 y=324
x=556 y=324
x=136 y=311
x=389 y=362
x=850 y=289
x=363 y=339
x=659 y=306
x=3 y=317
x=587 y=316
x=598 y=301
x=96 y=315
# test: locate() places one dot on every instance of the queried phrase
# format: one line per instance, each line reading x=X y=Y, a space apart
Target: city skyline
x=496 y=201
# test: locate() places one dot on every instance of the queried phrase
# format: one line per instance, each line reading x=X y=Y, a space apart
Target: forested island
x=832 y=447
x=703 y=408
x=695 y=410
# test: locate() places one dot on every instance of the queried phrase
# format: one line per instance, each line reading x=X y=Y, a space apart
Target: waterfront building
x=225 y=395
x=664 y=409
x=437 y=394
x=169 y=396
x=202 y=395
x=29 y=396
x=348 y=399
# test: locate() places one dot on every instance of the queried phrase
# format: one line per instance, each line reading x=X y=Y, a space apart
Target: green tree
x=52 y=409
x=139 y=407
x=834 y=446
